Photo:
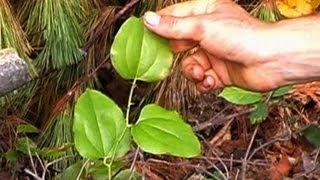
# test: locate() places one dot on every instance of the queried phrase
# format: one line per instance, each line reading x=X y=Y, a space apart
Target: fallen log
x=14 y=71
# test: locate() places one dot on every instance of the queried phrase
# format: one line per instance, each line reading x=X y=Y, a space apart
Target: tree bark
x=13 y=71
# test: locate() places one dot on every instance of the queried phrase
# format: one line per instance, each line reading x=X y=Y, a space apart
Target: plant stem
x=82 y=168
x=128 y=125
x=129 y=101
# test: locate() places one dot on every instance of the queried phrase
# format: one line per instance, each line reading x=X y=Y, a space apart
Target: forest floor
x=235 y=149
x=232 y=148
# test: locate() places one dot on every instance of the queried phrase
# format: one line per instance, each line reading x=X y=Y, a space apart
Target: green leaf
x=240 y=96
x=126 y=174
x=71 y=172
x=137 y=53
x=24 y=143
x=27 y=128
x=281 y=91
x=98 y=125
x=54 y=152
x=159 y=131
x=98 y=171
x=312 y=134
x=259 y=114
x=12 y=155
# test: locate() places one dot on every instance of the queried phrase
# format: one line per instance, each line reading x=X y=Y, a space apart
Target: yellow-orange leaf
x=297 y=8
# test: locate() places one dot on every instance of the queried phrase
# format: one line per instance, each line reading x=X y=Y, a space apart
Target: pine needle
x=12 y=35
x=58 y=134
x=55 y=26
x=267 y=11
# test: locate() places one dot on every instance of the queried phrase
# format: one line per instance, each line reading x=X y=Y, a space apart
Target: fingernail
x=152 y=18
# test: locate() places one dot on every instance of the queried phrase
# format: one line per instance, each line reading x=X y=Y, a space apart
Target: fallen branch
x=219 y=120
x=244 y=163
x=14 y=72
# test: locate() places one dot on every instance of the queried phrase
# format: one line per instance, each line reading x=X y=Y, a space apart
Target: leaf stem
x=129 y=102
x=82 y=168
x=128 y=125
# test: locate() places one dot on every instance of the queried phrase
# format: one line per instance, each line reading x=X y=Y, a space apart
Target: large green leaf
x=98 y=125
x=137 y=53
x=72 y=172
x=159 y=131
x=240 y=96
x=312 y=134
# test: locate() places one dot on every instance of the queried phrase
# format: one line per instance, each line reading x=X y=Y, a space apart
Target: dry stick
x=82 y=168
x=213 y=165
x=133 y=162
x=237 y=174
x=315 y=159
x=233 y=161
x=244 y=163
x=32 y=174
x=143 y=165
x=281 y=138
x=214 y=120
x=31 y=160
x=216 y=168
x=44 y=167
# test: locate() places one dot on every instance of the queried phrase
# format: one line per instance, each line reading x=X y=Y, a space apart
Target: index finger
x=190 y=8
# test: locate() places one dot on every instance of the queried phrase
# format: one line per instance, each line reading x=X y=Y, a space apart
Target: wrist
x=293 y=46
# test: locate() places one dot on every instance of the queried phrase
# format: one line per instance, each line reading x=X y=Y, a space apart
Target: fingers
x=195 y=65
x=210 y=82
x=182 y=45
x=171 y=27
x=190 y=8
x=198 y=68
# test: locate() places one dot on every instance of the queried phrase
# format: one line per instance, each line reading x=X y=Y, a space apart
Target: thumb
x=174 y=27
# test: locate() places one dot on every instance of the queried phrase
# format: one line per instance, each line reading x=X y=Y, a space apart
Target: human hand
x=230 y=44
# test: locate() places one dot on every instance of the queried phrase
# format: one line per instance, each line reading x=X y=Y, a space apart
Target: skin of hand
x=234 y=48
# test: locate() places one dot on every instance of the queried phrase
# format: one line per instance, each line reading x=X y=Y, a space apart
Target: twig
x=92 y=40
x=315 y=159
x=233 y=161
x=244 y=163
x=82 y=168
x=214 y=120
x=134 y=162
x=281 y=138
x=216 y=168
x=31 y=160
x=141 y=157
x=219 y=159
x=57 y=160
x=44 y=167
x=32 y=174
x=237 y=174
